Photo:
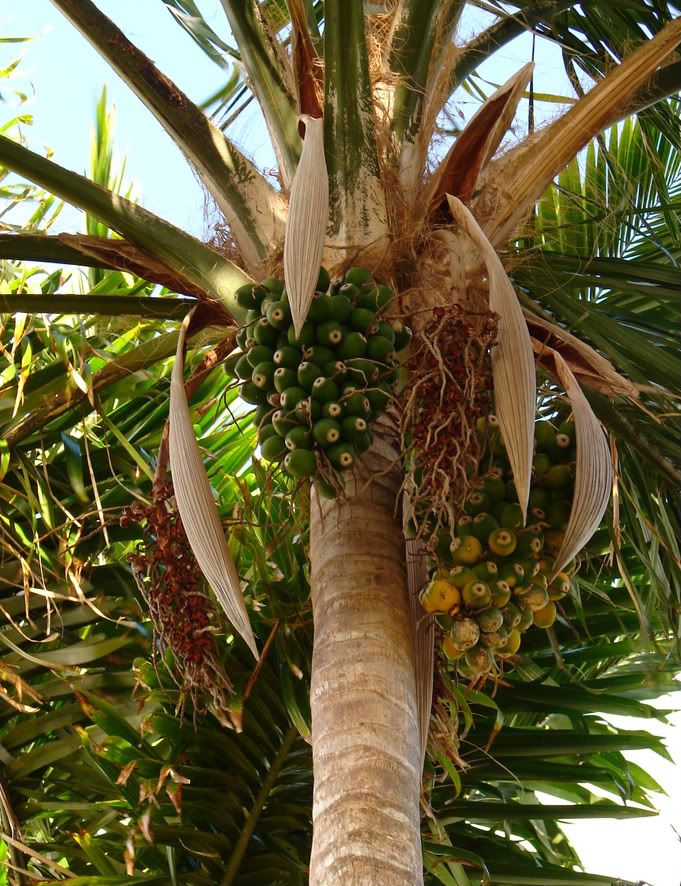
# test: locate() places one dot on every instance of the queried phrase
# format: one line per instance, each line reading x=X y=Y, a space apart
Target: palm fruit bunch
x=317 y=393
x=495 y=576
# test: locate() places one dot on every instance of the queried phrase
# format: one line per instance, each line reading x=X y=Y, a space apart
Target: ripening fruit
x=526 y=620
x=479 y=660
x=559 y=587
x=483 y=523
x=466 y=550
x=439 y=596
x=449 y=648
x=300 y=463
x=477 y=595
x=553 y=540
x=502 y=542
x=494 y=639
x=512 y=573
x=533 y=598
x=529 y=544
x=512 y=615
x=501 y=593
x=511 y=646
x=465 y=633
x=545 y=617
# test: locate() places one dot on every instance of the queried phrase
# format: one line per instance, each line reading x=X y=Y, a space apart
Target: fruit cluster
x=317 y=393
x=495 y=577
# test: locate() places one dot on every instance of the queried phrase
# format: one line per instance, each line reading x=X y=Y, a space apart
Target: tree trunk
x=365 y=732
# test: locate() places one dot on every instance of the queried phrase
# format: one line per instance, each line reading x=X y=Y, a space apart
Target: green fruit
x=260 y=354
x=512 y=615
x=292 y=396
x=265 y=432
x=357 y=276
x=357 y=404
x=264 y=334
x=511 y=516
x=563 y=444
x=341 y=456
x=308 y=411
x=323 y=280
x=341 y=308
x=361 y=319
x=557 y=477
x=324 y=389
x=477 y=594
x=353 y=428
x=464 y=526
x=541 y=463
x=307 y=374
x=262 y=416
x=526 y=619
x=284 y=378
x=363 y=441
x=379 y=397
x=263 y=375
x=326 y=432
x=300 y=463
x=330 y=334
x=243 y=368
x=273 y=284
x=274 y=399
x=278 y=315
x=260 y=293
x=229 y=363
x=325 y=489
x=282 y=422
x=353 y=345
x=252 y=394
x=544 y=436
x=320 y=309
x=529 y=545
x=332 y=410
x=403 y=336
x=241 y=337
x=483 y=524
x=319 y=355
x=363 y=371
x=494 y=489
x=512 y=573
x=486 y=570
x=383 y=329
x=288 y=357
x=379 y=348
x=384 y=294
x=244 y=296
x=490 y=620
x=476 y=503
x=273 y=449
x=298 y=438
x=539 y=498
x=558 y=513
x=336 y=370
x=567 y=428
x=350 y=291
x=460 y=576
x=307 y=337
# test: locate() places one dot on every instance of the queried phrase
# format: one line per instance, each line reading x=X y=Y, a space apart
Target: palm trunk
x=365 y=732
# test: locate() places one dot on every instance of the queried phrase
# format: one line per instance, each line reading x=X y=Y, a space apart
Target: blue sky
x=64 y=77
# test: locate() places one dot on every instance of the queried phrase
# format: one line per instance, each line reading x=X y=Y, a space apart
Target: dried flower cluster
x=184 y=617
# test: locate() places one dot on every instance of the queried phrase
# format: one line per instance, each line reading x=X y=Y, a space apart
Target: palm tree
x=591 y=249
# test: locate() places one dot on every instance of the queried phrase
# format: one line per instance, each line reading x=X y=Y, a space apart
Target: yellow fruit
x=450 y=649
x=477 y=595
x=466 y=550
x=511 y=646
x=559 y=587
x=545 y=617
x=439 y=596
x=553 y=539
x=502 y=542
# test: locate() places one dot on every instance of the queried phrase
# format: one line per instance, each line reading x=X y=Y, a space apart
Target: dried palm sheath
x=593 y=472
x=306 y=224
x=196 y=505
x=513 y=369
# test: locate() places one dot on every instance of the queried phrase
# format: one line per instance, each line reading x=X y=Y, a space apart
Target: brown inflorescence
x=183 y=615
x=449 y=388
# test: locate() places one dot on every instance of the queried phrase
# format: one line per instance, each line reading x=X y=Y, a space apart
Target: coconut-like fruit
x=465 y=633
x=479 y=660
x=545 y=617
x=490 y=620
x=439 y=596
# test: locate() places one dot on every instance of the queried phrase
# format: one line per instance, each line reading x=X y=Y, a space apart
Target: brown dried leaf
x=593 y=478
x=515 y=380
x=196 y=505
x=306 y=224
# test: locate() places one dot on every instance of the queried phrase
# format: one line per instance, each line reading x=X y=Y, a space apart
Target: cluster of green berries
x=317 y=393
x=495 y=577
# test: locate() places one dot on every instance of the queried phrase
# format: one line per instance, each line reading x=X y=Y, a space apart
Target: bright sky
x=64 y=76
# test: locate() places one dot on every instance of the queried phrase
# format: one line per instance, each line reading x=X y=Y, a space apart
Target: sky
x=64 y=77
